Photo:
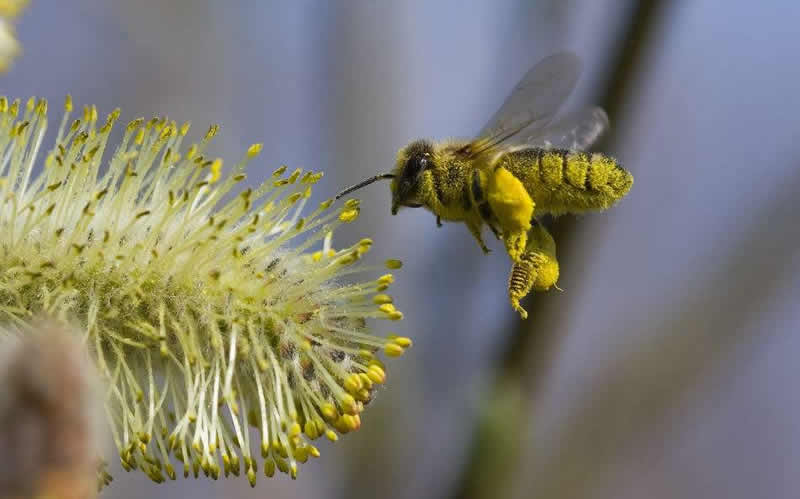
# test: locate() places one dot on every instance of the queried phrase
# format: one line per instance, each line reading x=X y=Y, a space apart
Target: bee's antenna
x=364 y=183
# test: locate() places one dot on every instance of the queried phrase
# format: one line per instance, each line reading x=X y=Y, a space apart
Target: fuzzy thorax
x=207 y=312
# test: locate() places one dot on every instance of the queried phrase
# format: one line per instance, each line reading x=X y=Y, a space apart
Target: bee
x=522 y=165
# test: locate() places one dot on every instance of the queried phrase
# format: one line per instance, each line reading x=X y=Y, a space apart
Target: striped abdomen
x=564 y=181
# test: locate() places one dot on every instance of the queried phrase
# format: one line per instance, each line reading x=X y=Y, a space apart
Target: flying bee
x=521 y=166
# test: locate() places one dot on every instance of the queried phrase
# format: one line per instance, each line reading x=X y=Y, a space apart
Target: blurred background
x=665 y=368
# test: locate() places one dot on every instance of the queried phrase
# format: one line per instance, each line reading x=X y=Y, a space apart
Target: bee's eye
x=416 y=165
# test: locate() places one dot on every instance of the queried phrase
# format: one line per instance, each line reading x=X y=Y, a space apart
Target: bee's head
x=412 y=162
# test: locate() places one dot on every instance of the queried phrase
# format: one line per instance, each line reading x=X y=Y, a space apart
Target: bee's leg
x=520 y=281
x=516 y=243
x=495 y=231
x=513 y=208
x=475 y=230
x=438 y=221
x=536 y=269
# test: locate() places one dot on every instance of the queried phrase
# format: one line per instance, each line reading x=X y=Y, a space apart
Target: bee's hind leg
x=475 y=230
x=438 y=221
x=537 y=268
x=495 y=231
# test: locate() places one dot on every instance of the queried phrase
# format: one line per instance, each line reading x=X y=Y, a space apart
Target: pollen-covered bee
x=518 y=168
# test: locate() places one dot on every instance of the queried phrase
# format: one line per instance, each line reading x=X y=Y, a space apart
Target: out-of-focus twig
x=491 y=463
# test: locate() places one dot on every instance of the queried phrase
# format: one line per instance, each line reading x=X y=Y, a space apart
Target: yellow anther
x=170 y=471
x=350 y=422
x=403 y=341
x=279 y=448
x=363 y=395
x=280 y=171
x=216 y=170
x=382 y=299
x=393 y=264
x=329 y=411
x=310 y=429
x=393 y=350
x=348 y=215
x=387 y=308
x=353 y=383
x=341 y=425
x=301 y=454
x=269 y=467
x=254 y=150
x=212 y=131
x=131 y=126
x=365 y=380
x=251 y=477
x=347 y=259
x=311 y=178
x=166 y=133
x=348 y=403
x=331 y=435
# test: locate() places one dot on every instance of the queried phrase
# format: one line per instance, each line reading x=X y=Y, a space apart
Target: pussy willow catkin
x=206 y=311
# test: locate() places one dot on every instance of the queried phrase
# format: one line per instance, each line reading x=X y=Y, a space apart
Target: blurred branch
x=525 y=355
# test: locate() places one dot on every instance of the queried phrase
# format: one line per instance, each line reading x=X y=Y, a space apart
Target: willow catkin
x=48 y=429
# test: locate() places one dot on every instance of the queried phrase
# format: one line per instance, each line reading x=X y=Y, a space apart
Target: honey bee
x=521 y=166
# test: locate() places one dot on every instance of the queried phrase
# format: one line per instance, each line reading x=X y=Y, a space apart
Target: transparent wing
x=535 y=99
x=577 y=130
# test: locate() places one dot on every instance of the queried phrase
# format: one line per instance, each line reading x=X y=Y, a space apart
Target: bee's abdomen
x=562 y=181
x=584 y=171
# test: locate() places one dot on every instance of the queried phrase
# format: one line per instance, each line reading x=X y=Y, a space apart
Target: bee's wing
x=577 y=131
x=532 y=103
